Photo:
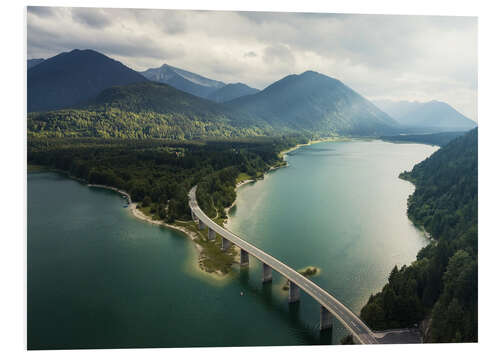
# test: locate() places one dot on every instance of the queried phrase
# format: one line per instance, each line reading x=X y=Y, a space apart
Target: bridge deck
x=353 y=323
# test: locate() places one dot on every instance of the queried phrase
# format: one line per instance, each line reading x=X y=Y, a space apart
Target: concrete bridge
x=329 y=306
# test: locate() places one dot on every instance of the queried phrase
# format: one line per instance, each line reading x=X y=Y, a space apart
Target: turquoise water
x=99 y=278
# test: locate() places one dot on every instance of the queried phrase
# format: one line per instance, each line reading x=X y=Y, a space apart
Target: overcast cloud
x=380 y=56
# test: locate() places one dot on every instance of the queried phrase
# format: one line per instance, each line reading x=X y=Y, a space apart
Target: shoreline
x=132 y=207
x=138 y=214
x=191 y=234
x=311 y=142
x=281 y=155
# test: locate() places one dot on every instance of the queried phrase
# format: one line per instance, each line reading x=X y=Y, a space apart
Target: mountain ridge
x=73 y=77
x=231 y=91
x=181 y=79
x=32 y=62
x=312 y=101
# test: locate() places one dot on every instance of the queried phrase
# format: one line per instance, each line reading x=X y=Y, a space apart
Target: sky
x=382 y=57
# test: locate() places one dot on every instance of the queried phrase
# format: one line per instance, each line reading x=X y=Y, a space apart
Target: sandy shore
x=137 y=213
x=239 y=184
x=132 y=206
x=121 y=192
x=311 y=142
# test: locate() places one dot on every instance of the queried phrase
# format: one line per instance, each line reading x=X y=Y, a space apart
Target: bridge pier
x=193 y=216
x=225 y=244
x=244 y=257
x=293 y=292
x=201 y=225
x=267 y=273
x=211 y=234
x=325 y=318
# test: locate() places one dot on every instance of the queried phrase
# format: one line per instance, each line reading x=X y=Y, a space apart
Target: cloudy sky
x=380 y=56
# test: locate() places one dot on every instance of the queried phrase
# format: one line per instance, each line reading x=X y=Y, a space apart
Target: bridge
x=329 y=306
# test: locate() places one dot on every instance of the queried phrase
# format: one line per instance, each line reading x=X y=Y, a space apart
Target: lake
x=99 y=278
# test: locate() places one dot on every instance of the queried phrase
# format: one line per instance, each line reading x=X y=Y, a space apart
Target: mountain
x=145 y=110
x=434 y=115
x=183 y=80
x=34 y=61
x=316 y=103
x=73 y=77
x=231 y=91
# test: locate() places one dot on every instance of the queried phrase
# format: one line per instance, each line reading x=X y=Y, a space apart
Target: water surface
x=99 y=278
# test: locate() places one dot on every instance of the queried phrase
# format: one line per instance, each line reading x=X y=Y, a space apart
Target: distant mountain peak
x=434 y=115
x=311 y=73
x=196 y=84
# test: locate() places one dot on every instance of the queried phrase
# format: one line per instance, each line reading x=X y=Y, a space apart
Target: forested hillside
x=442 y=283
x=84 y=93
x=145 y=110
x=159 y=172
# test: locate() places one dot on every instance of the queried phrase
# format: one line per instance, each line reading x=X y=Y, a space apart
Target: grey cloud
x=91 y=17
x=259 y=18
x=41 y=11
x=278 y=53
x=46 y=44
x=250 y=54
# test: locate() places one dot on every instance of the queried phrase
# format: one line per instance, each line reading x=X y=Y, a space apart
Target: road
x=351 y=321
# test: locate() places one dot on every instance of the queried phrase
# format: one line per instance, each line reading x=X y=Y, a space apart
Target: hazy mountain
x=439 y=139
x=34 y=61
x=432 y=115
x=231 y=91
x=145 y=110
x=314 y=102
x=73 y=77
x=183 y=80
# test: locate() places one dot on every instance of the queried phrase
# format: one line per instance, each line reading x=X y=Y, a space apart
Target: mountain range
x=197 y=85
x=85 y=93
x=430 y=116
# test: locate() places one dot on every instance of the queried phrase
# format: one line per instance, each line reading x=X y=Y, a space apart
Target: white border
x=13 y=251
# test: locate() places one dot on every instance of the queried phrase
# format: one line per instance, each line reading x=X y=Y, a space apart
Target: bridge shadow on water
x=289 y=313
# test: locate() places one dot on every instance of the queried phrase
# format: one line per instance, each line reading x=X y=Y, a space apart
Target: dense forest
x=144 y=111
x=440 y=287
x=159 y=173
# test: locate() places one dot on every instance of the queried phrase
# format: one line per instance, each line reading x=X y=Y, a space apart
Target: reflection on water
x=98 y=278
x=339 y=206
